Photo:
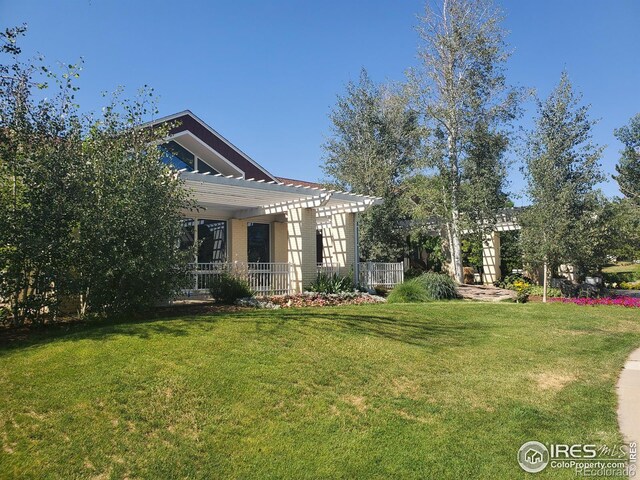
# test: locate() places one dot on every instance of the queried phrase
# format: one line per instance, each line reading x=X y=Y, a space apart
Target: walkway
x=629 y=398
x=485 y=293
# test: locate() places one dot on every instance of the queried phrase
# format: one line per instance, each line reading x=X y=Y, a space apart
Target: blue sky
x=265 y=74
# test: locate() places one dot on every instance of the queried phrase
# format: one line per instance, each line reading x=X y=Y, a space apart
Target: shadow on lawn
x=397 y=325
x=393 y=326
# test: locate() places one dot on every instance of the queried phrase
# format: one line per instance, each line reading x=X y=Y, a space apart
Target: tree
x=39 y=149
x=628 y=168
x=127 y=255
x=562 y=170
x=461 y=92
x=87 y=210
x=372 y=150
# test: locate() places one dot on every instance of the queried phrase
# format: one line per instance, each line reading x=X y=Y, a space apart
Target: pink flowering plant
x=618 y=301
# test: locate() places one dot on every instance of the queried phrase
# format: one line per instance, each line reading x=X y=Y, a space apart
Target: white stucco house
x=277 y=231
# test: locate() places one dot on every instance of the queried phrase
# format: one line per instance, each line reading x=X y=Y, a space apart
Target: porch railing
x=262 y=278
x=328 y=268
x=374 y=274
x=274 y=278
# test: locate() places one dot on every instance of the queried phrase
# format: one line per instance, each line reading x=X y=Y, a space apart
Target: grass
x=625 y=267
x=441 y=390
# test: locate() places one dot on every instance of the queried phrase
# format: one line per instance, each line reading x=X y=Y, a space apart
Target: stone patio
x=485 y=293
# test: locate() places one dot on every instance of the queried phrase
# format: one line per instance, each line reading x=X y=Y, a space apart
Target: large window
x=258 y=242
x=180 y=158
x=177 y=156
x=212 y=237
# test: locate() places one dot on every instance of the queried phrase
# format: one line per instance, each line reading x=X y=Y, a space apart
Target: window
x=258 y=243
x=319 y=246
x=212 y=237
x=204 y=167
x=177 y=156
x=187 y=239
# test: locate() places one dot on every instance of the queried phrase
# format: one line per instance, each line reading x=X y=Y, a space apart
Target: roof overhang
x=236 y=197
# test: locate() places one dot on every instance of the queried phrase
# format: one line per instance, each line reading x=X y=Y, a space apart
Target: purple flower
x=619 y=301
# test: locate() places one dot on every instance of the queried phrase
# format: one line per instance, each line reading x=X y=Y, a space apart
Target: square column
x=343 y=241
x=491 y=258
x=237 y=240
x=301 y=241
x=279 y=242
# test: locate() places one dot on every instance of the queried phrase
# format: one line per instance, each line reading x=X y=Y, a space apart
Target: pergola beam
x=282 y=207
x=356 y=207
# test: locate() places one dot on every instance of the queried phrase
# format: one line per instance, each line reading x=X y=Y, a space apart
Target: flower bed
x=619 y=301
x=310 y=299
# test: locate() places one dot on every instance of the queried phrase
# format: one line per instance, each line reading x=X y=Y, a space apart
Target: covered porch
x=276 y=236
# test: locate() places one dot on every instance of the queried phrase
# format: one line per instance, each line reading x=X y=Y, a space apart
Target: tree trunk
x=456 y=248
x=544 y=283
x=456 y=242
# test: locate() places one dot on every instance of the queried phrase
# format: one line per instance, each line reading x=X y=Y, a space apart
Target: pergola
x=300 y=210
x=237 y=197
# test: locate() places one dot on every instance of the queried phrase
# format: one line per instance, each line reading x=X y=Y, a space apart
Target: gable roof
x=304 y=183
x=188 y=121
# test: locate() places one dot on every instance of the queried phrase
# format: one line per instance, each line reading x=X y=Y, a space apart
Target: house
x=276 y=230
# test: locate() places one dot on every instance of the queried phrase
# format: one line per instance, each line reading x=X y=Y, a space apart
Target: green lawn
x=441 y=390
x=626 y=267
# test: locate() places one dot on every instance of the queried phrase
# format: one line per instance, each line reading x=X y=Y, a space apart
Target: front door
x=258 y=242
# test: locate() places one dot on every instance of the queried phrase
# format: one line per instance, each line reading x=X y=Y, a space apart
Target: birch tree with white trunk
x=459 y=88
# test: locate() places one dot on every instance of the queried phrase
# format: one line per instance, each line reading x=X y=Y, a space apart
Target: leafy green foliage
x=461 y=91
x=537 y=290
x=409 y=291
x=425 y=288
x=331 y=283
x=510 y=251
x=87 y=210
x=629 y=166
x=373 y=149
x=438 y=286
x=562 y=225
x=226 y=288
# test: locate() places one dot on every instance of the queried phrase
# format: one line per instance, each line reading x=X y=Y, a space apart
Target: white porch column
x=301 y=240
x=491 y=258
x=343 y=240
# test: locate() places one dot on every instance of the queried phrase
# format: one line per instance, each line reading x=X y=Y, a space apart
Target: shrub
x=226 y=288
x=438 y=286
x=620 y=277
x=410 y=291
x=468 y=274
x=537 y=290
x=522 y=290
x=413 y=273
x=381 y=291
x=333 y=283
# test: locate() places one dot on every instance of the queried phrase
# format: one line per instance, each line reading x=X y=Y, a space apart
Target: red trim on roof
x=187 y=123
x=304 y=183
